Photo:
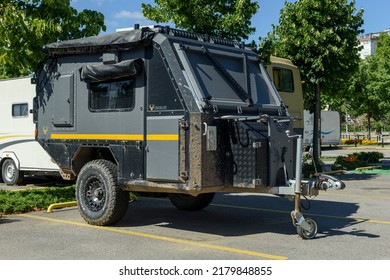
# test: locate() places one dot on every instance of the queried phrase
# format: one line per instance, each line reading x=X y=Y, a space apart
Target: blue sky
x=125 y=13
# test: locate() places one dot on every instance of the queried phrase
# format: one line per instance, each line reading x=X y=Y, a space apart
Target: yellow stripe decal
x=121 y=137
x=162 y=137
x=17 y=136
x=134 y=137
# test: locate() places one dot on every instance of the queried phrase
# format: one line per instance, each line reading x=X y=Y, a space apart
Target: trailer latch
x=211 y=137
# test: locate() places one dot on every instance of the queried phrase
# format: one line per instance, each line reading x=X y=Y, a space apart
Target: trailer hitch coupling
x=323 y=182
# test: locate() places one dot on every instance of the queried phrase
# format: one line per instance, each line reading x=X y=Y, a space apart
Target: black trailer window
x=162 y=95
x=112 y=96
x=20 y=110
x=283 y=79
x=227 y=78
x=259 y=85
x=212 y=83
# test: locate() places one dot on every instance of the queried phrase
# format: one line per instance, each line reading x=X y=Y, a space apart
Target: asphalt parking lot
x=353 y=224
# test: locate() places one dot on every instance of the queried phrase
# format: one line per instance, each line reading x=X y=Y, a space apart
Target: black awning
x=95 y=44
x=106 y=72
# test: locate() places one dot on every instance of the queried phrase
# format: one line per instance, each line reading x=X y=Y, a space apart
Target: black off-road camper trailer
x=163 y=110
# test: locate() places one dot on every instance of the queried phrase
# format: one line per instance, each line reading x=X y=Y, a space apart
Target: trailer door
x=164 y=113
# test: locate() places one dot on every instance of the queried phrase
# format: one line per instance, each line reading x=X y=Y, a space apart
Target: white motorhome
x=330 y=128
x=20 y=153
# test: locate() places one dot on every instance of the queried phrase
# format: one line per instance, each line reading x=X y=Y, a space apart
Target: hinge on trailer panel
x=256 y=145
x=184 y=124
x=184 y=175
x=257 y=182
x=139 y=145
x=239 y=110
x=215 y=108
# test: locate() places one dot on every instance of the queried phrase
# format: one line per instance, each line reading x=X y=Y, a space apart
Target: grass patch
x=23 y=201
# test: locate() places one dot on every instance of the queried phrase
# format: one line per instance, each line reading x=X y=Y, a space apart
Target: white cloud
x=129 y=15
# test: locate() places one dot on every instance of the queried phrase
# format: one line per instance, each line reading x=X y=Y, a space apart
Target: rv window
x=283 y=79
x=228 y=78
x=212 y=83
x=162 y=95
x=112 y=96
x=261 y=93
x=20 y=110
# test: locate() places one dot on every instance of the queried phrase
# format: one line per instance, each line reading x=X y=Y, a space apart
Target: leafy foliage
x=228 y=19
x=26 y=26
x=34 y=199
x=370 y=87
x=320 y=38
x=355 y=160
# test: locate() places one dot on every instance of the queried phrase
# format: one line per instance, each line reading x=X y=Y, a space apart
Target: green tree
x=27 y=25
x=228 y=19
x=370 y=87
x=320 y=37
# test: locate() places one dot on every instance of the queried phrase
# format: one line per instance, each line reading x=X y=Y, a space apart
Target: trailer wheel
x=305 y=234
x=11 y=174
x=191 y=203
x=99 y=198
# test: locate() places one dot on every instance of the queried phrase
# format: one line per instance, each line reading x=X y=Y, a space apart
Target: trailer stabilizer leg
x=307 y=228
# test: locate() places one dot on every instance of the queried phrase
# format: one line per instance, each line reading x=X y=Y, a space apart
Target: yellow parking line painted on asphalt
x=311 y=214
x=162 y=238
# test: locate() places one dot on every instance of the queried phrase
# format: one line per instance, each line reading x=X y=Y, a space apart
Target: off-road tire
x=191 y=203
x=99 y=198
x=11 y=174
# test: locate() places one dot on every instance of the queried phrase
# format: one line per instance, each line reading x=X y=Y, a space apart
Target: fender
x=11 y=155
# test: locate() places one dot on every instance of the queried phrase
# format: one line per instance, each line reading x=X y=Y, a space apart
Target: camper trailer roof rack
x=200 y=37
x=126 y=40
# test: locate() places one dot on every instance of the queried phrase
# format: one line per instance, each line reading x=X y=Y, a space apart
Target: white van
x=20 y=153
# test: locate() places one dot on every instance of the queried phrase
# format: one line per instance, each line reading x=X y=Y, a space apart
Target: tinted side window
x=112 y=96
x=162 y=95
x=20 y=110
x=283 y=79
x=212 y=83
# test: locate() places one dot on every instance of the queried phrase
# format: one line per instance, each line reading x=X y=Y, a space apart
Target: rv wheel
x=11 y=174
x=189 y=202
x=99 y=198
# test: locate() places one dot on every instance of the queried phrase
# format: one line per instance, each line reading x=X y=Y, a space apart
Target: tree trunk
x=369 y=126
x=317 y=126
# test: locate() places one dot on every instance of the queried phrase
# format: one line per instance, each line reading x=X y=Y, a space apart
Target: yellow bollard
x=61 y=205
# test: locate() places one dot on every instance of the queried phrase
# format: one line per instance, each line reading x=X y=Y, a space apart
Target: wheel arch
x=9 y=155
x=85 y=154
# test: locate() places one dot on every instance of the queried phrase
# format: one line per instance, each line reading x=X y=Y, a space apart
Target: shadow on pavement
x=37 y=181
x=4 y=220
x=237 y=215
x=356 y=176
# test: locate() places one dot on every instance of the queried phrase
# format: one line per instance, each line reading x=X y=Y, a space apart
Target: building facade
x=368 y=42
